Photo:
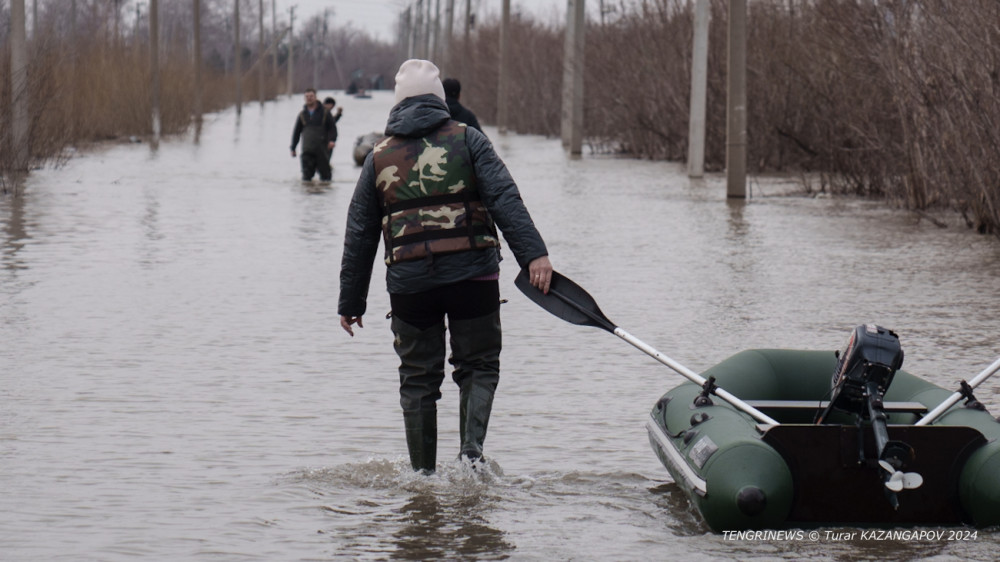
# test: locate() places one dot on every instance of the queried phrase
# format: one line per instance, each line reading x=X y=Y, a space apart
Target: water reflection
x=15 y=233
x=436 y=529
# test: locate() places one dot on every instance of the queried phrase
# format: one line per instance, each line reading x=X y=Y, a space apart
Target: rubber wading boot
x=421 y=439
x=421 y=372
x=475 y=404
x=475 y=353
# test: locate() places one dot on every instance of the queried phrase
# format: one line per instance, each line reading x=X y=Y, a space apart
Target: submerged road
x=174 y=384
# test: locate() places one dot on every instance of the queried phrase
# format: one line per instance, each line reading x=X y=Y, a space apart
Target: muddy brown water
x=174 y=384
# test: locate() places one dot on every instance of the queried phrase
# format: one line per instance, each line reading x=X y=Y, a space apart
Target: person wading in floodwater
x=435 y=190
x=460 y=113
x=329 y=103
x=316 y=127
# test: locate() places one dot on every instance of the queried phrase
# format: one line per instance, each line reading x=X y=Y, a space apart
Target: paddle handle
x=955 y=397
x=694 y=377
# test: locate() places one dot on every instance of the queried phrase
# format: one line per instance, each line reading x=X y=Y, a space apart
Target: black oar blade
x=567 y=300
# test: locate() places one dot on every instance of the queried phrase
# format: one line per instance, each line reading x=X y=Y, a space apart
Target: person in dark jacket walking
x=434 y=190
x=315 y=126
x=460 y=113
x=329 y=104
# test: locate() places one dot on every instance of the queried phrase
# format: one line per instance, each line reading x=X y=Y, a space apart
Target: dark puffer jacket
x=416 y=117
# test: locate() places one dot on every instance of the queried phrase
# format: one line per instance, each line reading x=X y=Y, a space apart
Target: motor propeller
x=899 y=480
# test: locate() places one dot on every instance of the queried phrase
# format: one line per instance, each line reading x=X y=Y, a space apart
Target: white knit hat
x=417 y=77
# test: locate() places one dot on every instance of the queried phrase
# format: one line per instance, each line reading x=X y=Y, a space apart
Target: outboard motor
x=865 y=369
x=870 y=359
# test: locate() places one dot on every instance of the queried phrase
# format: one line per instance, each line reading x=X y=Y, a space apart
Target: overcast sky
x=379 y=17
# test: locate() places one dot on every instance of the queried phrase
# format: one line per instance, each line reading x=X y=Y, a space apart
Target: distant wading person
x=434 y=190
x=460 y=113
x=315 y=126
x=329 y=103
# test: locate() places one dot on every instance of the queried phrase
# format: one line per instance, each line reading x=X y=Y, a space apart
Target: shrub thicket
x=897 y=99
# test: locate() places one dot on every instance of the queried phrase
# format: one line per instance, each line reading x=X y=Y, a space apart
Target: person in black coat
x=460 y=113
x=442 y=190
x=315 y=126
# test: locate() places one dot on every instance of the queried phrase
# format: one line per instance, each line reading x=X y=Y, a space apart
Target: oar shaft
x=956 y=396
x=694 y=377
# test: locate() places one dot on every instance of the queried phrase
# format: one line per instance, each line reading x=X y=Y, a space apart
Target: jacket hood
x=417 y=116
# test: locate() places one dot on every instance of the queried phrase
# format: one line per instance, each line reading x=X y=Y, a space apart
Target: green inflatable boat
x=849 y=440
x=774 y=438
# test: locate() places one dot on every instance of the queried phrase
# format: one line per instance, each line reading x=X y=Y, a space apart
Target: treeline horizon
x=890 y=99
x=89 y=80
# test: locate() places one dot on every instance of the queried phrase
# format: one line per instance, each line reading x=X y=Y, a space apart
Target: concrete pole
x=436 y=34
x=238 y=58
x=19 y=86
x=75 y=70
x=418 y=26
x=502 y=83
x=736 y=102
x=154 y=65
x=199 y=86
x=449 y=23
x=411 y=32
x=291 y=48
x=573 y=67
x=465 y=36
x=428 y=31
x=699 y=89
x=274 y=31
x=260 y=52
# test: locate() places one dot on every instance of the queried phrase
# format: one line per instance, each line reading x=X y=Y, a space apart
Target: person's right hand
x=540 y=273
x=293 y=153
x=346 y=321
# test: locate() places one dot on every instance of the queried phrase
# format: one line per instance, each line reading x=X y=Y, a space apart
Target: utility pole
x=260 y=52
x=502 y=86
x=154 y=64
x=699 y=89
x=573 y=65
x=418 y=26
x=19 y=86
x=238 y=58
x=465 y=37
x=409 y=34
x=449 y=17
x=736 y=102
x=319 y=50
x=436 y=56
x=274 y=30
x=75 y=68
x=291 y=47
x=199 y=86
x=427 y=31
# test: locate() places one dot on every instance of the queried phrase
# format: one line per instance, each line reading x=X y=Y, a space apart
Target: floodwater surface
x=174 y=383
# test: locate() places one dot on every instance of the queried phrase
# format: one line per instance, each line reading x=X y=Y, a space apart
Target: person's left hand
x=540 y=273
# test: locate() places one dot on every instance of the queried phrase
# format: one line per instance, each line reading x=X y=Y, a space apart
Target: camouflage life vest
x=430 y=203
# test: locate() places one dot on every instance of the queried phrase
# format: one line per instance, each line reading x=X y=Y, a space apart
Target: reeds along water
x=98 y=90
x=890 y=99
x=897 y=100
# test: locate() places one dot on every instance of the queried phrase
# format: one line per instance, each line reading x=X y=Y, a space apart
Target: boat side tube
x=979 y=481
x=715 y=454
